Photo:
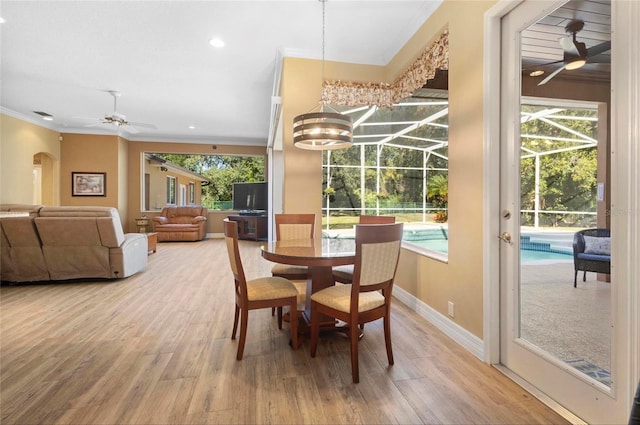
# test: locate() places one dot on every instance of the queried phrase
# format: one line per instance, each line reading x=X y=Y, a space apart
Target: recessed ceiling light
x=216 y=42
x=2 y=21
x=536 y=73
x=191 y=127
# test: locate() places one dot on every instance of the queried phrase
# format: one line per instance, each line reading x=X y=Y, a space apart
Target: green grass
x=348 y=221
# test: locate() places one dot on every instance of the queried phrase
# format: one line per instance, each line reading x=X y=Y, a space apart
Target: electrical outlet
x=450 y=309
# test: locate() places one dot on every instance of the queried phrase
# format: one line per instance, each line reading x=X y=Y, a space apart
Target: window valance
x=349 y=93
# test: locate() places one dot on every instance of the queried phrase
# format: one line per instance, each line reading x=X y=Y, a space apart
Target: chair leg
x=235 y=322
x=315 y=330
x=575 y=279
x=584 y=277
x=273 y=311
x=279 y=317
x=387 y=337
x=243 y=332
x=293 y=322
x=354 y=333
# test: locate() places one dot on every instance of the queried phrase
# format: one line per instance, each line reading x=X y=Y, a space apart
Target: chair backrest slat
x=294 y=226
x=231 y=240
x=377 y=219
x=378 y=262
x=377 y=254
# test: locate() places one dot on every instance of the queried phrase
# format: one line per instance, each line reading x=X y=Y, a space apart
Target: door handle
x=506 y=237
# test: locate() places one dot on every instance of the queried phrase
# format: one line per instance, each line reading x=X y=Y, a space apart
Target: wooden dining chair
x=289 y=227
x=344 y=274
x=264 y=292
x=368 y=297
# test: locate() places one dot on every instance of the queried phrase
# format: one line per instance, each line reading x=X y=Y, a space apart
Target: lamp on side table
x=142 y=224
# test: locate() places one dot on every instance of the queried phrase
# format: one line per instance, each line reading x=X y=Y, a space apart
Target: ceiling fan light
x=575 y=64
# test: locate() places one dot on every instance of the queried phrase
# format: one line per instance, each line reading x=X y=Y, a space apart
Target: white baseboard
x=463 y=337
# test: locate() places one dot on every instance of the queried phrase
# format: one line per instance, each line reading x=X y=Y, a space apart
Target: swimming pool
x=535 y=247
x=529 y=252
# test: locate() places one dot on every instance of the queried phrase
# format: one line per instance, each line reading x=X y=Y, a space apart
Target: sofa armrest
x=198 y=219
x=130 y=257
x=160 y=220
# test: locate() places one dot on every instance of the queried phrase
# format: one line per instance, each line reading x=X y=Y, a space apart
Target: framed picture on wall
x=88 y=184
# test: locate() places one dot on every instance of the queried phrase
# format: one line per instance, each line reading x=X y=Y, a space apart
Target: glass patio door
x=554 y=336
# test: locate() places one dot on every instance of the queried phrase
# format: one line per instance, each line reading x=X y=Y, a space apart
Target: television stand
x=251 y=213
x=251 y=227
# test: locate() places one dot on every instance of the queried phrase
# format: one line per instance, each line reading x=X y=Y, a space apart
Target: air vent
x=44 y=115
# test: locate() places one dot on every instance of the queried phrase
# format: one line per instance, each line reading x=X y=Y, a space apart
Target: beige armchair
x=59 y=243
x=89 y=242
x=183 y=223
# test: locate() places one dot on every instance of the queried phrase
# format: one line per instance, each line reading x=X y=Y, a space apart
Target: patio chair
x=591 y=252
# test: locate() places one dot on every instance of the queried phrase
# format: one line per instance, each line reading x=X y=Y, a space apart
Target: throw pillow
x=598 y=246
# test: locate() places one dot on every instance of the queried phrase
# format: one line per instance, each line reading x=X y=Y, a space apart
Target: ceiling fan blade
x=128 y=129
x=569 y=46
x=550 y=76
x=542 y=65
x=599 y=59
x=598 y=48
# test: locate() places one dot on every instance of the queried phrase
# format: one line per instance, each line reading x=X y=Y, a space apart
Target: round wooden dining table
x=320 y=255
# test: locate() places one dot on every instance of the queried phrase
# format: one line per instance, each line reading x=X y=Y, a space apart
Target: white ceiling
x=61 y=57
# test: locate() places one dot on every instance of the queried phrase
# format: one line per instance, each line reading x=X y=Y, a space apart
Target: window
x=205 y=180
x=398 y=166
x=192 y=193
x=171 y=190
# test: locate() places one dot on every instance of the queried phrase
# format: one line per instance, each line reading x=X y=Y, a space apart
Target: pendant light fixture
x=323 y=130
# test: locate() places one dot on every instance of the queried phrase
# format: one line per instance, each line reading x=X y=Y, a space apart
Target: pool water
x=526 y=255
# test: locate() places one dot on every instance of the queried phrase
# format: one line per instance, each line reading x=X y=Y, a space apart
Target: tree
x=438 y=193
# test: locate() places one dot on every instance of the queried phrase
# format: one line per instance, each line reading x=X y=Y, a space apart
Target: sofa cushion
x=595 y=257
x=21 y=258
x=597 y=245
x=106 y=219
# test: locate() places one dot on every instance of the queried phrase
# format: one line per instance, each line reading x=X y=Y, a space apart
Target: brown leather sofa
x=59 y=243
x=181 y=223
x=21 y=258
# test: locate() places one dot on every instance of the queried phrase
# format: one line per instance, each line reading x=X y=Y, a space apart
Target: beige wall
x=431 y=281
x=158 y=186
x=88 y=153
x=20 y=143
x=301 y=91
x=123 y=178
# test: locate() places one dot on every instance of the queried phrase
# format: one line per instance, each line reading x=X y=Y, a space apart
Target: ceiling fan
x=576 y=53
x=119 y=120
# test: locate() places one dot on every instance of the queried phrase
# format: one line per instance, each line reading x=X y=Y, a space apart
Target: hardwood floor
x=155 y=348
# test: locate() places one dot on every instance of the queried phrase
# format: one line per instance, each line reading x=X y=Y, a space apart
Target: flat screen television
x=250 y=198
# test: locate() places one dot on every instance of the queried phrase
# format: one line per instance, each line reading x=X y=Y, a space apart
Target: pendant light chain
x=323 y=130
x=323 y=29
